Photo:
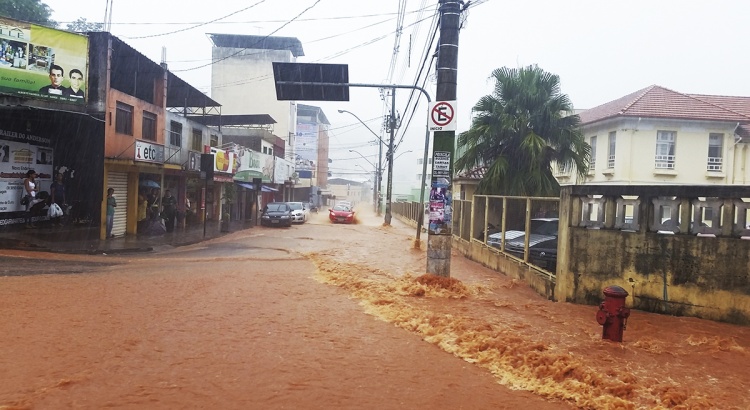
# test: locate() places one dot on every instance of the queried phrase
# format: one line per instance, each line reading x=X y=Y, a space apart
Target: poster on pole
x=441 y=195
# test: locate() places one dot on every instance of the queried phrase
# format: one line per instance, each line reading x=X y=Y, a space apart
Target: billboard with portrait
x=42 y=62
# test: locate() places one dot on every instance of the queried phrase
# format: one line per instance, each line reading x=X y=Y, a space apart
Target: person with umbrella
x=169 y=210
x=153 y=205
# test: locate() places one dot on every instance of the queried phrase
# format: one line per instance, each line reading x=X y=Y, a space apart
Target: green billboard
x=43 y=63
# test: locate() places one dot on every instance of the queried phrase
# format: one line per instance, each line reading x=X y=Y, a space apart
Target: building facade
x=657 y=136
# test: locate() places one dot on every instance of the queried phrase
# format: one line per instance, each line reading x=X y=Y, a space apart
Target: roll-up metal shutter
x=119 y=181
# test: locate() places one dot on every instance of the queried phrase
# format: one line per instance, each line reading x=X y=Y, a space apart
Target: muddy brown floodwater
x=326 y=316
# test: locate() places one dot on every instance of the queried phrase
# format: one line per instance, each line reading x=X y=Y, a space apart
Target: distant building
x=347 y=190
x=659 y=136
x=242 y=78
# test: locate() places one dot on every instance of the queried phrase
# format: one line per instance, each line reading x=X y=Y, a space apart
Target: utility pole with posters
x=442 y=122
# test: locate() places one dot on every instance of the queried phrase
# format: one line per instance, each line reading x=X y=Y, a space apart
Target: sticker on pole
x=442 y=116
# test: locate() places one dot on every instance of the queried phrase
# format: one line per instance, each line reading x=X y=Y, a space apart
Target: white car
x=300 y=212
x=538 y=225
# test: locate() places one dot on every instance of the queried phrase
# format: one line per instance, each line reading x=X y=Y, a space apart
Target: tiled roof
x=474 y=173
x=660 y=102
x=739 y=105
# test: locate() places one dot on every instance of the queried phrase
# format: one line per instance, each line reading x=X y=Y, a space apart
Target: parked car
x=341 y=214
x=538 y=225
x=542 y=245
x=276 y=214
x=300 y=212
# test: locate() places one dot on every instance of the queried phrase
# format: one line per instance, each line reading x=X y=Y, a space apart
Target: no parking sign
x=442 y=116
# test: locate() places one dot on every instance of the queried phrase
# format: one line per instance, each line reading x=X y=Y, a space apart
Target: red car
x=341 y=213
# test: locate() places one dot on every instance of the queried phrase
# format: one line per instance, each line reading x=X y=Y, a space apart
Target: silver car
x=300 y=212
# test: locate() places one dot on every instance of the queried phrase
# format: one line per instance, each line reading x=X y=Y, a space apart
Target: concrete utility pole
x=439 y=243
x=389 y=156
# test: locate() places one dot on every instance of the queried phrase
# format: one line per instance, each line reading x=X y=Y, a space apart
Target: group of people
x=151 y=211
x=56 y=77
x=32 y=197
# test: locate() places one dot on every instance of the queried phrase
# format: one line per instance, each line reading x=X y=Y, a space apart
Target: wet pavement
x=85 y=239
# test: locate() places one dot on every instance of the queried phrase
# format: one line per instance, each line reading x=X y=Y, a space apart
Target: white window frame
x=716 y=158
x=666 y=143
x=611 y=149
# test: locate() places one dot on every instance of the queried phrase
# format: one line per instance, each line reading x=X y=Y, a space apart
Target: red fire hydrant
x=613 y=314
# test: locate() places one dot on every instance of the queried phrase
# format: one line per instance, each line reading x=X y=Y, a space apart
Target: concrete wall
x=688 y=273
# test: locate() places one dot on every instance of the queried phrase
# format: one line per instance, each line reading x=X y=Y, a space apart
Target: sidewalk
x=85 y=239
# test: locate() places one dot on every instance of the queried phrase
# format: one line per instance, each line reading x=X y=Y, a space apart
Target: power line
x=258 y=42
x=198 y=25
x=164 y=23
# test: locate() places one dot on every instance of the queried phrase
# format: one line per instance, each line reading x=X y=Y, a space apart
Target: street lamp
x=378 y=169
x=402 y=154
x=375 y=189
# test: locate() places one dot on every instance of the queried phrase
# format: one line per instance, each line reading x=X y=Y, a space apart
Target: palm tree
x=519 y=131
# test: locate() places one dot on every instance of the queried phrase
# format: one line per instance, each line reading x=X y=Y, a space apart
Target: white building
x=659 y=136
x=242 y=79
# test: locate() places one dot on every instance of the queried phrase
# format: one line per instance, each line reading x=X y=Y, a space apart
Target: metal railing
x=714 y=164
x=664 y=161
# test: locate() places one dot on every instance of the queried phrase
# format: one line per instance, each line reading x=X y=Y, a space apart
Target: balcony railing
x=664 y=161
x=611 y=161
x=714 y=164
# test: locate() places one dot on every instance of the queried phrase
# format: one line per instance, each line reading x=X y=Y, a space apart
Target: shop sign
x=194 y=164
x=224 y=161
x=147 y=152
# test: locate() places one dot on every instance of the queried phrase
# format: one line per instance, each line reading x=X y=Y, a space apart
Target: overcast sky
x=601 y=50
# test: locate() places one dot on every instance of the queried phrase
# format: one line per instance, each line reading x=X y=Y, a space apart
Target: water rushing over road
x=336 y=316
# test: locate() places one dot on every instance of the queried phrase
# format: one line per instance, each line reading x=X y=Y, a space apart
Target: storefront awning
x=249 y=185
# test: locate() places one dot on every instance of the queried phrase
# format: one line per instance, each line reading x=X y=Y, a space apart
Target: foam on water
x=516 y=359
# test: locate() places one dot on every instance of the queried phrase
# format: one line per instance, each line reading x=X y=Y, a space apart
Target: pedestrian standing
x=111 y=205
x=57 y=196
x=142 y=212
x=30 y=189
x=169 y=210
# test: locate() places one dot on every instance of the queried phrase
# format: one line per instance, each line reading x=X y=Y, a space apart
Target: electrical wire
x=258 y=42
x=198 y=25
x=427 y=53
x=253 y=21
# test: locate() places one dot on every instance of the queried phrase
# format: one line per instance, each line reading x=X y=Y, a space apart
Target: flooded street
x=335 y=317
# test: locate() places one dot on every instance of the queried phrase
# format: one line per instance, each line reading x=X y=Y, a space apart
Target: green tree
x=519 y=131
x=82 y=26
x=33 y=11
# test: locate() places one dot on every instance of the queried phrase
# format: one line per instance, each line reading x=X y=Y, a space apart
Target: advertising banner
x=253 y=164
x=43 y=63
x=282 y=171
x=306 y=146
x=15 y=159
x=224 y=161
